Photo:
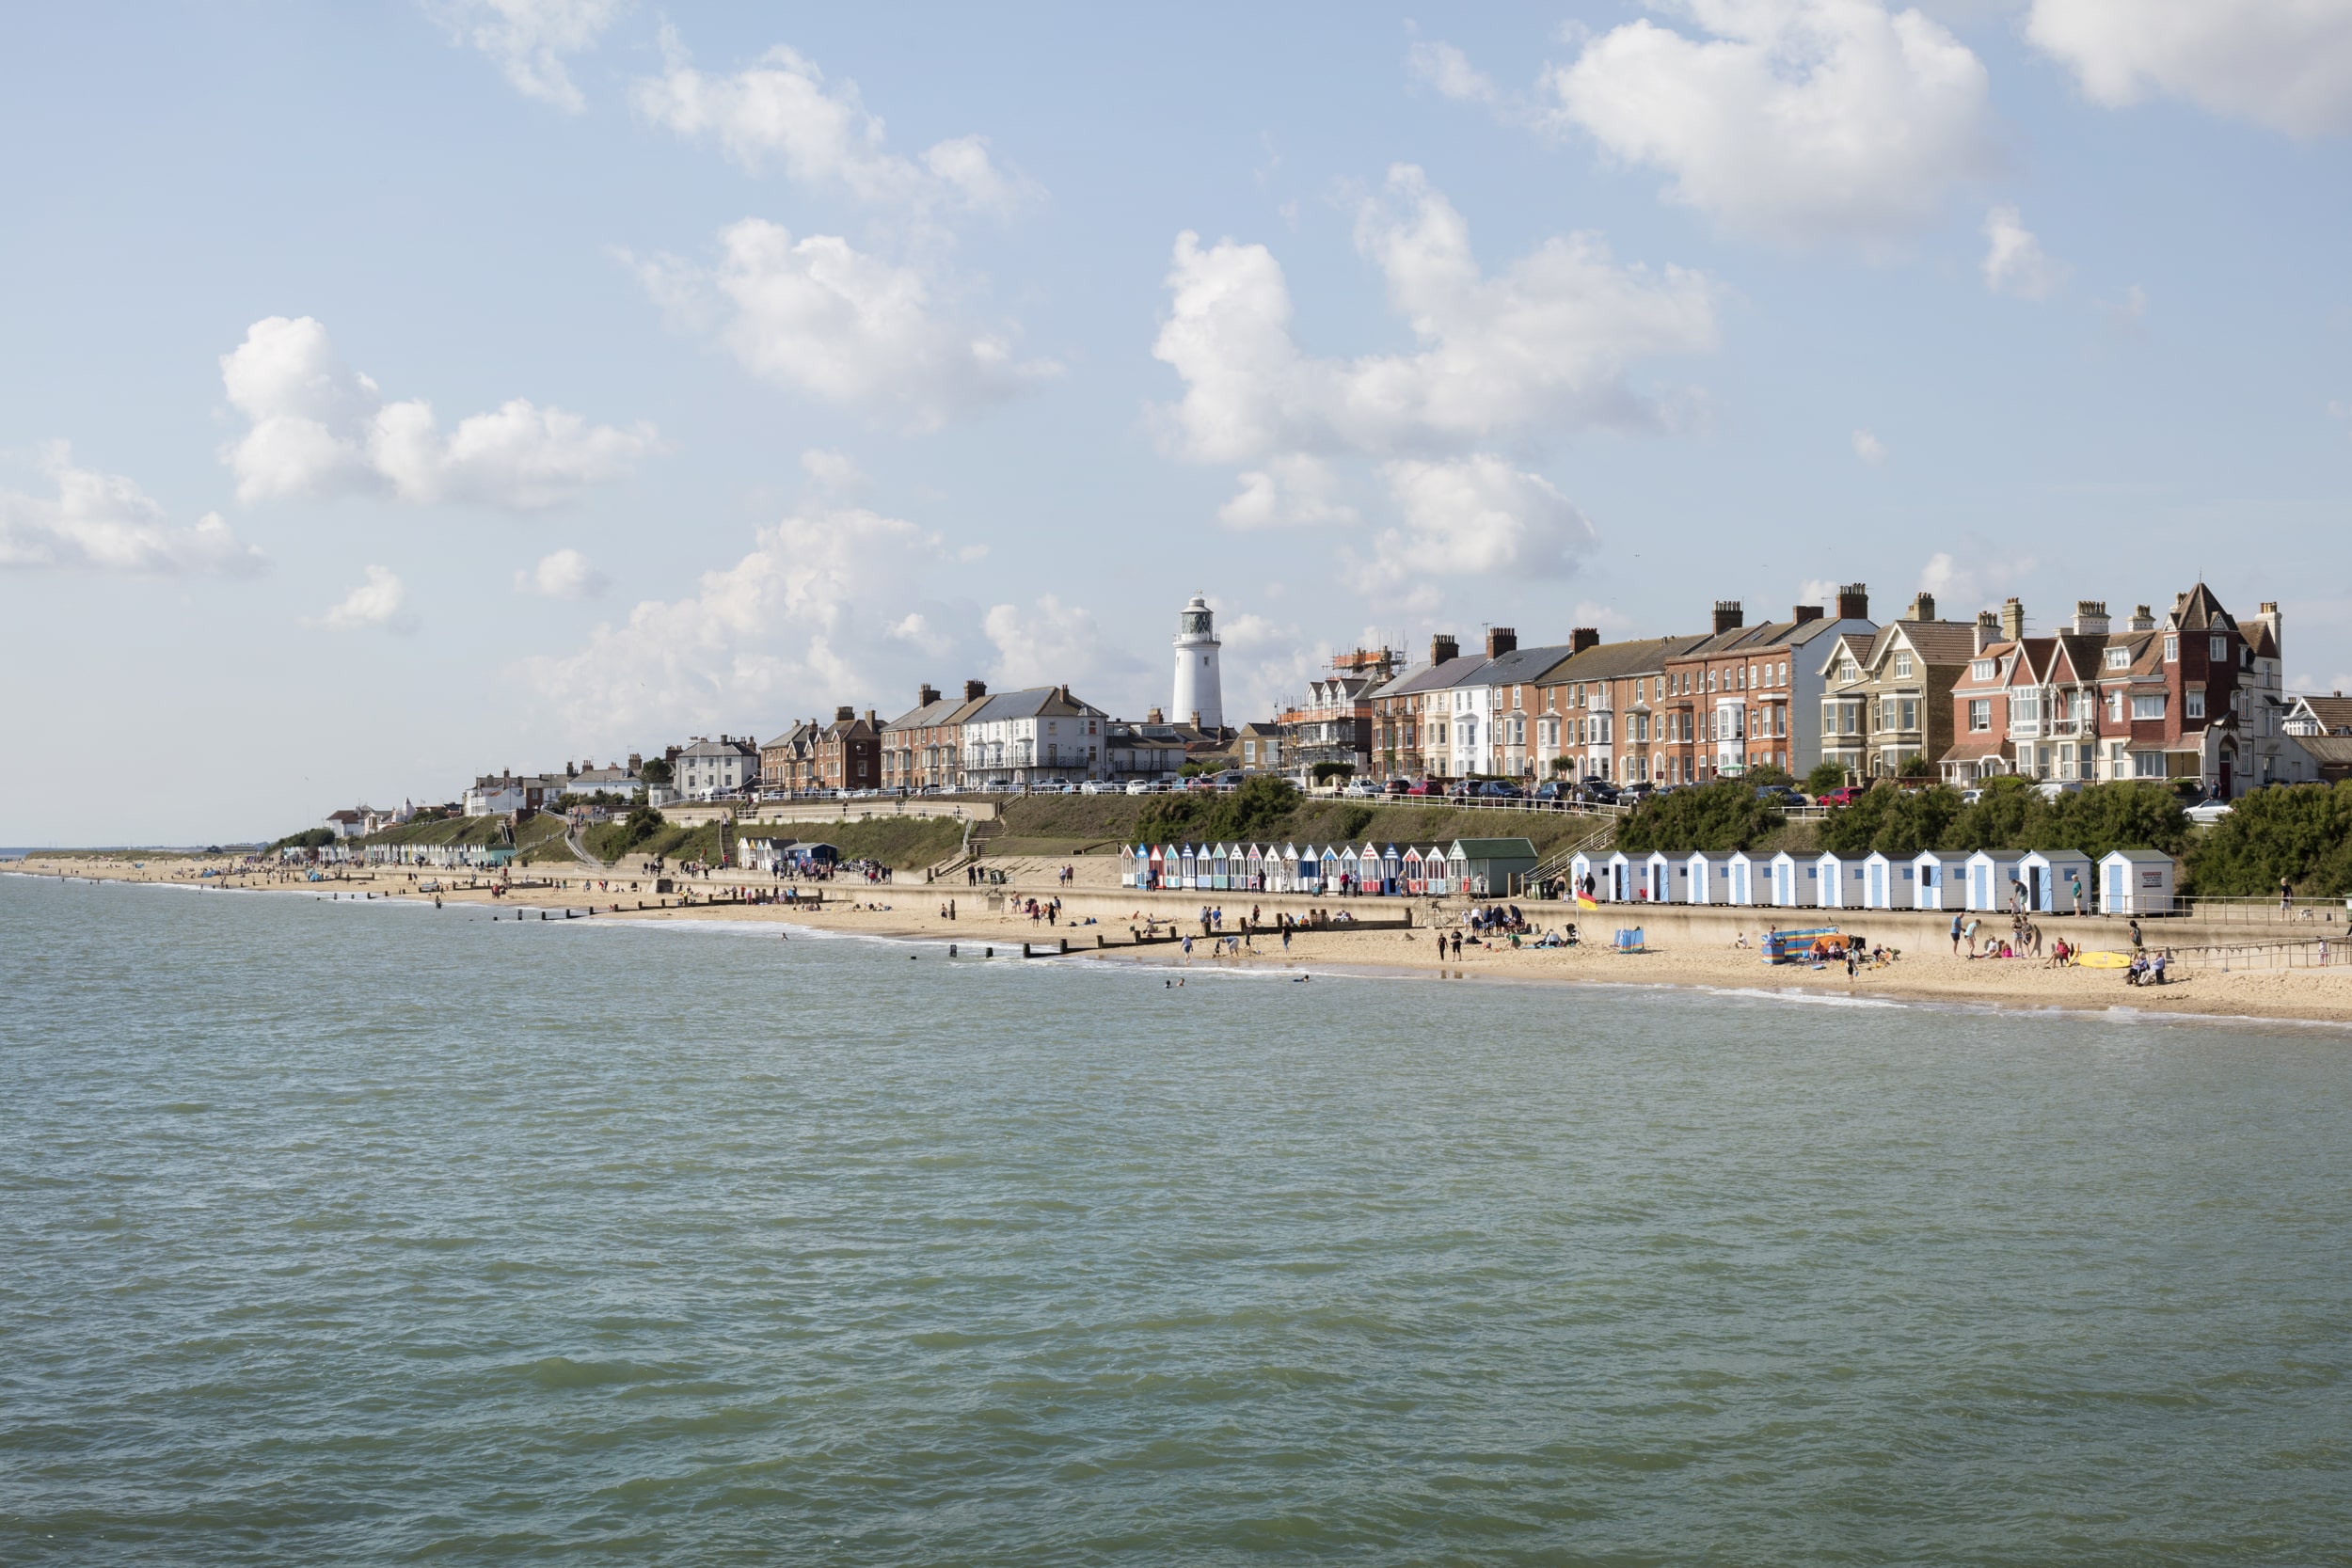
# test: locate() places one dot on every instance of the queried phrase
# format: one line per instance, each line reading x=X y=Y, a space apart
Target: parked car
x=1496 y=790
x=1400 y=787
x=1638 y=791
x=1779 y=795
x=1553 y=789
x=1426 y=786
x=1598 y=792
x=1844 y=796
x=1364 y=789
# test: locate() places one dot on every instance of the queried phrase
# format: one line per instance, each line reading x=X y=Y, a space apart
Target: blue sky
x=404 y=391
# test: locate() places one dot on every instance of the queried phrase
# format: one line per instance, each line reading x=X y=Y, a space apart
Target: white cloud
x=1050 y=643
x=1992 y=575
x=1471 y=516
x=2286 y=64
x=1547 y=346
x=563 y=575
x=1293 y=490
x=821 y=316
x=825 y=609
x=105 y=523
x=319 y=428
x=1868 y=447
x=2014 y=262
x=781 y=114
x=1792 y=120
x=381 y=601
x=529 y=39
x=1447 y=69
x=2126 y=314
x=836 y=471
x=1820 y=591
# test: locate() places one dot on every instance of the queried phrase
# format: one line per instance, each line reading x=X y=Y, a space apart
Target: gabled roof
x=720 y=748
x=801 y=733
x=1435 y=677
x=2197 y=610
x=1038 y=701
x=1525 y=666
x=2334 y=713
x=1607 y=661
x=1774 y=633
x=929 y=716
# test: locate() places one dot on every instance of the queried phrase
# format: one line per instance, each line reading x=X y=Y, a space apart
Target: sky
x=397 y=393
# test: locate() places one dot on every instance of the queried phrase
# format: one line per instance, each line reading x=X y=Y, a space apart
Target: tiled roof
x=1972 y=747
x=1605 y=661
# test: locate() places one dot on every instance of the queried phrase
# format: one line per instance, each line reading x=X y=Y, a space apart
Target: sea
x=352 y=1232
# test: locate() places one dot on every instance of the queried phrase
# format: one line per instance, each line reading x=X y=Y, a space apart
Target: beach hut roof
x=2137 y=857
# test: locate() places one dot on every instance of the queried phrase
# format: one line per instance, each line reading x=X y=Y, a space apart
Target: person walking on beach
x=1286 y=935
x=2136 y=942
x=1955 y=936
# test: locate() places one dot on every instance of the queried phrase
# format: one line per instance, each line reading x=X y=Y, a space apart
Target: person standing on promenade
x=1955 y=936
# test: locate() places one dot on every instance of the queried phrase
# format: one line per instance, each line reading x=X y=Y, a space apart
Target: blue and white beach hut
x=1329 y=875
x=1785 y=880
x=2057 y=881
x=1991 y=872
x=1692 y=883
x=1582 y=865
x=1281 y=869
x=1739 y=878
x=1829 y=882
x=2136 y=881
x=1879 y=877
x=1616 y=882
x=1656 y=874
x=1350 y=870
x=1939 y=880
x=1392 y=868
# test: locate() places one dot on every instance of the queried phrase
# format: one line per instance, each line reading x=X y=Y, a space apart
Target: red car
x=1845 y=797
x=1426 y=786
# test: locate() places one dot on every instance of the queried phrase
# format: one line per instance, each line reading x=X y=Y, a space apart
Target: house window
x=2171 y=648
x=1902 y=667
x=2149 y=707
x=2025 y=707
x=2193 y=702
x=2147 y=765
x=2219 y=650
x=1849 y=671
x=1910 y=713
x=2119 y=658
x=1980 y=671
x=1980 y=714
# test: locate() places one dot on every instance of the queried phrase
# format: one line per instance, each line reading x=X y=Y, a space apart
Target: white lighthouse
x=1197 y=687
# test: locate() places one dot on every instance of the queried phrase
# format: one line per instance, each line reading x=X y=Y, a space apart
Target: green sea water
x=337 y=1233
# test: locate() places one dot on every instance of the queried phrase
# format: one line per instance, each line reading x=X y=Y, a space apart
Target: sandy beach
x=1927 y=971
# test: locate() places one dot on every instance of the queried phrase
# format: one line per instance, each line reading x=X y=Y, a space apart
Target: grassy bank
x=1080 y=824
x=540 y=839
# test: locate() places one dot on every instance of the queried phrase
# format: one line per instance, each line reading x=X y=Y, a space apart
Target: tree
x=2301 y=835
x=2101 y=818
x=657 y=774
x=1916 y=766
x=1327 y=772
x=1724 y=814
x=1893 y=821
x=1256 y=810
x=1826 y=776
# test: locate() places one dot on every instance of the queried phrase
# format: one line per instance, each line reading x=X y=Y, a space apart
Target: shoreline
x=1931 y=979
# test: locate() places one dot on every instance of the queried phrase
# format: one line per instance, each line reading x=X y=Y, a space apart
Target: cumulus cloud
x=835 y=470
x=1048 y=643
x=1547 y=344
x=1473 y=516
x=781 y=114
x=826 y=607
x=2014 y=261
x=529 y=39
x=823 y=317
x=563 y=575
x=2285 y=63
x=1447 y=70
x=319 y=428
x=100 y=522
x=1868 y=447
x=380 y=602
x=1796 y=121
x=1293 y=490
x=1989 y=575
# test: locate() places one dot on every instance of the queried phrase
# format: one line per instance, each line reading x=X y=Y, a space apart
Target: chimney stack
x=1804 y=612
x=1443 y=648
x=1583 y=637
x=1501 y=640
x=1153 y=716
x=973 y=691
x=1727 y=615
x=1853 y=602
x=1195 y=718
x=1988 y=629
x=2142 y=618
x=843 y=714
x=926 y=695
x=2091 y=617
x=1922 y=607
x=2012 y=620
x=870 y=717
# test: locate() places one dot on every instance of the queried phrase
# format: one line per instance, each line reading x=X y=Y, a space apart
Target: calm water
x=349 y=1233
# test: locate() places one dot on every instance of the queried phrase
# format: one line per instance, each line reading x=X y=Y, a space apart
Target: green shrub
x=2301 y=833
x=1724 y=814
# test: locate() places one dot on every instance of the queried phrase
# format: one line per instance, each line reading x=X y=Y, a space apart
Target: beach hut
x=1828 y=886
x=2136 y=881
x=1351 y=870
x=1616 y=879
x=1739 y=878
x=2057 y=881
x=1329 y=873
x=1456 y=869
x=1494 y=867
x=1654 y=878
x=1878 y=878
x=1991 y=872
x=1939 y=880
x=1390 y=869
x=1157 y=868
x=1582 y=865
x=1784 y=880
x=1695 y=884
x=1253 y=868
x=1409 y=869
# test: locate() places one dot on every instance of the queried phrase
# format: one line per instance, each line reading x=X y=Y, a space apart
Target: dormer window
x=1849 y=671
x=2119 y=658
x=1980 y=671
x=1902 y=667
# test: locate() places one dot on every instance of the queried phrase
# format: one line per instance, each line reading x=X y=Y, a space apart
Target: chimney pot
x=1727 y=615
x=1501 y=640
x=1988 y=629
x=1923 y=608
x=1443 y=648
x=1804 y=612
x=926 y=695
x=1583 y=637
x=973 y=690
x=1853 y=602
x=2012 y=620
x=843 y=714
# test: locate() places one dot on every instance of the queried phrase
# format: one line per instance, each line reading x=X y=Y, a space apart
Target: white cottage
x=2136 y=881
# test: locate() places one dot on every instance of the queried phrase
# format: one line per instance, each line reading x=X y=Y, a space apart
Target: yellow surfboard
x=2105 y=961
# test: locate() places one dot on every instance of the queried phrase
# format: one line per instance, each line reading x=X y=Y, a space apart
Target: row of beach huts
x=2050 y=881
